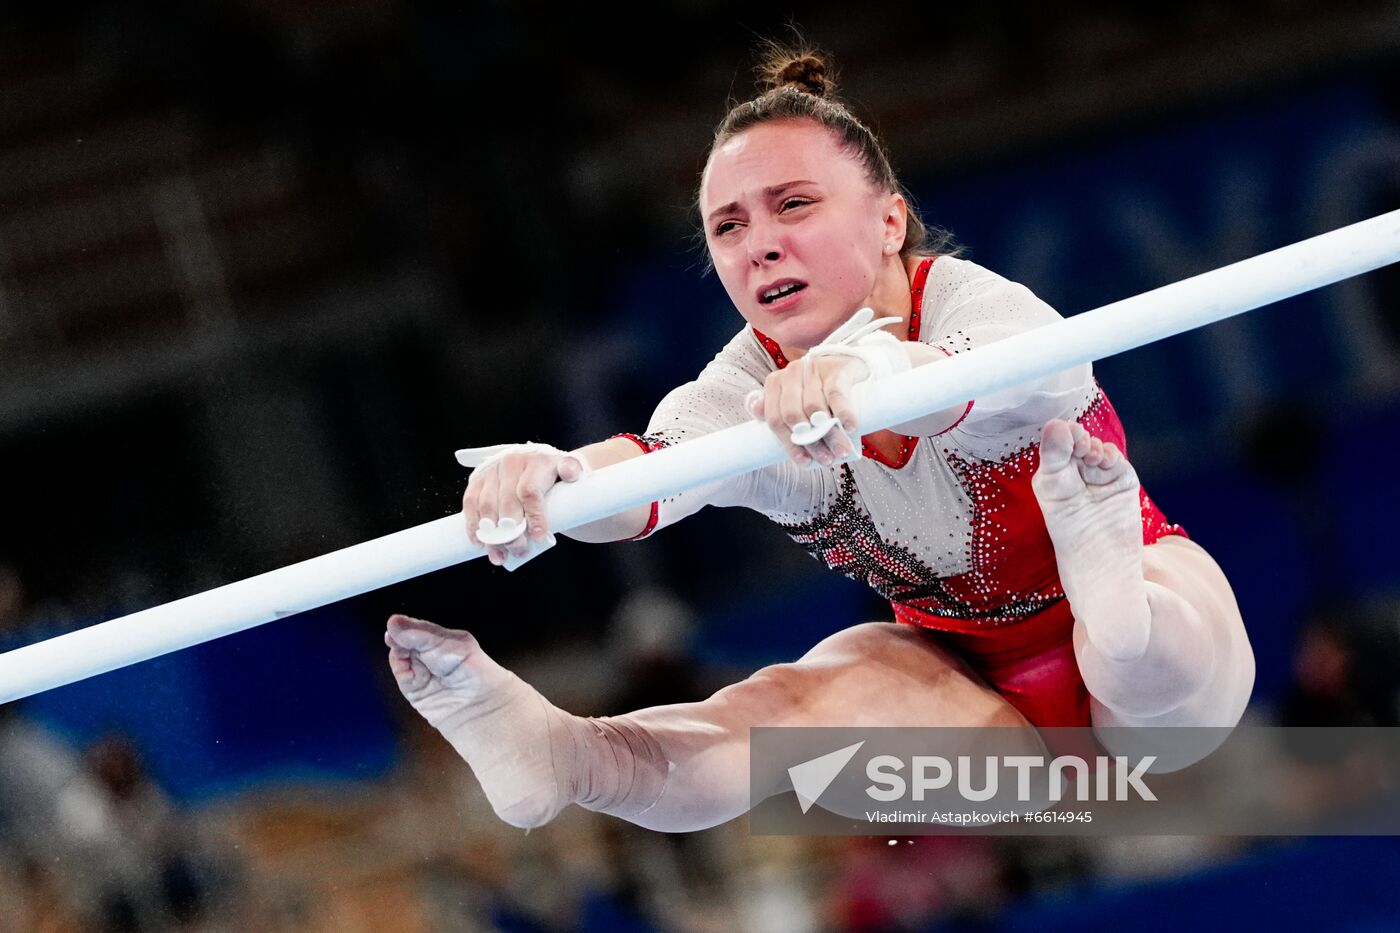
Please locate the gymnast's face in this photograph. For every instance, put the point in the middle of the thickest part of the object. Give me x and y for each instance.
(784, 206)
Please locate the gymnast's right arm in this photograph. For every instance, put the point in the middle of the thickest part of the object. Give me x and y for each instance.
(515, 483)
(624, 525)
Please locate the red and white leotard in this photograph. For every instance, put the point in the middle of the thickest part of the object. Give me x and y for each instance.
(950, 532)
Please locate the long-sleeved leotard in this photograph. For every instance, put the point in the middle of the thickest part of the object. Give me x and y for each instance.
(950, 532)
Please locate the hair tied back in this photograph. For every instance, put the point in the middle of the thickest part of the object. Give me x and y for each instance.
(805, 71)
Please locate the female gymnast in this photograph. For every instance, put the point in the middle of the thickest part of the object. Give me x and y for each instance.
(1033, 581)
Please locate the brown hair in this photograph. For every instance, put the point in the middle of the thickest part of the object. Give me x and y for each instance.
(797, 83)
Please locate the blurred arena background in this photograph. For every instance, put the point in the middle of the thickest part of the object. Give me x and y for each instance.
(265, 265)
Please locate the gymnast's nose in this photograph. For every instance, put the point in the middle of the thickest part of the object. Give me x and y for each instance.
(765, 245)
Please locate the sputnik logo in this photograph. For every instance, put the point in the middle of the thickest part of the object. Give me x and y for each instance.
(811, 778)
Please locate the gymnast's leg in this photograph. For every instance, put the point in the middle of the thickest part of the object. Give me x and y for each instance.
(684, 766)
(1158, 635)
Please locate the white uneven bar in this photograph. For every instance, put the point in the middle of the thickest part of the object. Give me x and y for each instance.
(1114, 328)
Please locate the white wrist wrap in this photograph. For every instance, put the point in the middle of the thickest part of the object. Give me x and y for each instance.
(882, 353)
(479, 457)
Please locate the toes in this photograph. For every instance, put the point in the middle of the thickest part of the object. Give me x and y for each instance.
(1061, 441)
(1082, 440)
(418, 675)
(397, 655)
(1056, 444)
(398, 622)
(1104, 467)
(406, 670)
(414, 634)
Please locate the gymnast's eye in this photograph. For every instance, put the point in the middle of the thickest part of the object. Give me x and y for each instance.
(795, 203)
(725, 227)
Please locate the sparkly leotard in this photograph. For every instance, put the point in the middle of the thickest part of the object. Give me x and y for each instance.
(950, 531)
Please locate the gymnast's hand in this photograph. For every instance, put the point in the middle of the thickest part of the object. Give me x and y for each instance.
(508, 485)
(810, 406)
(805, 395)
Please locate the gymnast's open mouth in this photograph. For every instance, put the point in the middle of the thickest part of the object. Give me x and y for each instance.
(777, 291)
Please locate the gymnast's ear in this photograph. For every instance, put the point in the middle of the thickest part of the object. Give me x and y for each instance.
(895, 221)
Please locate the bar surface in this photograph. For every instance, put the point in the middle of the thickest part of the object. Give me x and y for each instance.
(1092, 335)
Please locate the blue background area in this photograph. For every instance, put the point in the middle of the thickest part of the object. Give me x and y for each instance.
(299, 698)
(1214, 191)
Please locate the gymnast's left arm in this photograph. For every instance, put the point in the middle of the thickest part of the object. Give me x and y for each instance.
(976, 307)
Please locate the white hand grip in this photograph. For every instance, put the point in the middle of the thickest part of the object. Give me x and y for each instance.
(816, 427)
(507, 530)
(497, 533)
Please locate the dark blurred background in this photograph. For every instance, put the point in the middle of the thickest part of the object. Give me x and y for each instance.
(265, 265)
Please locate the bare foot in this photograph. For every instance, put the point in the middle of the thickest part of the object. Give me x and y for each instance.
(1088, 493)
(510, 735)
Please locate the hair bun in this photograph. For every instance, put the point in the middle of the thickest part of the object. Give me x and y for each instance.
(805, 70)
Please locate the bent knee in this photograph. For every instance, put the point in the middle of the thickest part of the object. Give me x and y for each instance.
(770, 696)
(865, 640)
(1000, 714)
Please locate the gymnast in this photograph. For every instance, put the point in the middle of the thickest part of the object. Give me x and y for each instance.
(1033, 581)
